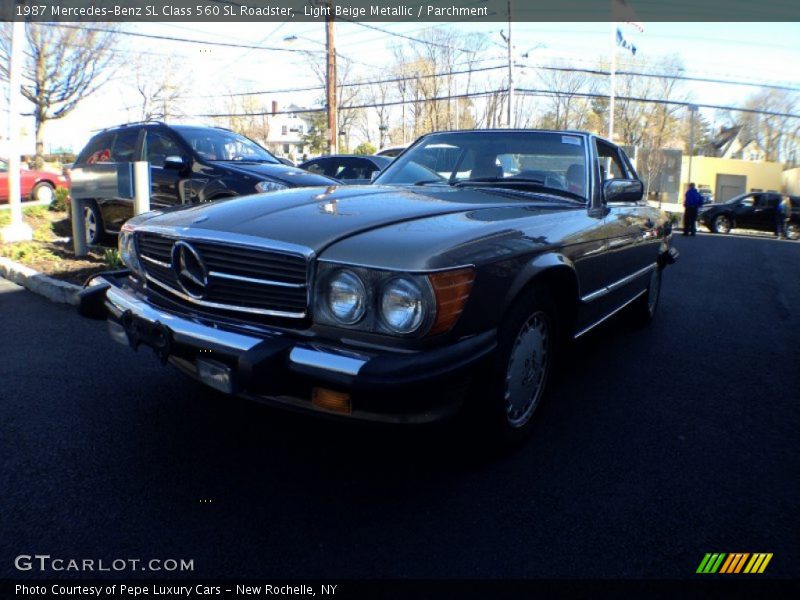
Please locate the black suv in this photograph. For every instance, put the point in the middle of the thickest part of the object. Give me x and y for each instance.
(754, 210)
(189, 164)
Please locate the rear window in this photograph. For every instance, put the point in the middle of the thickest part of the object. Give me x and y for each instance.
(98, 149)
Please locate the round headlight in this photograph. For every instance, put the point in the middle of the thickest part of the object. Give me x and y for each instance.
(346, 297)
(402, 305)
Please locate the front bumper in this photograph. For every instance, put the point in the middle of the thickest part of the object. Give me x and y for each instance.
(277, 368)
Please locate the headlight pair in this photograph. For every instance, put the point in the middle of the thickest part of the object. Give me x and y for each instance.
(388, 302)
(268, 185)
(127, 251)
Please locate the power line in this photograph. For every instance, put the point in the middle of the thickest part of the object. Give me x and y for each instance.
(406, 37)
(551, 93)
(523, 91)
(178, 39)
(353, 84)
(664, 75)
(355, 107)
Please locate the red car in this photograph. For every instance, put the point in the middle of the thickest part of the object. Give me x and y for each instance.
(36, 185)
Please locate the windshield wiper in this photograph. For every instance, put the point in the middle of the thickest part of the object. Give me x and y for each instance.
(511, 180)
(429, 181)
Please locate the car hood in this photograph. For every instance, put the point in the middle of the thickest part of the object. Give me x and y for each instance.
(319, 217)
(291, 176)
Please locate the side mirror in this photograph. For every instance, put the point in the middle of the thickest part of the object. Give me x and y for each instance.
(175, 163)
(374, 175)
(623, 190)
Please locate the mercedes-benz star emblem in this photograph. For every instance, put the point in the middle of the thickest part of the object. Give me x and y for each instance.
(190, 269)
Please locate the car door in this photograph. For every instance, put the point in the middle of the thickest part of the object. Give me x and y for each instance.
(27, 181)
(764, 210)
(165, 184)
(115, 207)
(630, 233)
(744, 212)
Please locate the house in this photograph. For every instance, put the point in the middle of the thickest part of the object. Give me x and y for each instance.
(731, 142)
(287, 130)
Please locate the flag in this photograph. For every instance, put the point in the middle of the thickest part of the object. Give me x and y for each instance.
(622, 41)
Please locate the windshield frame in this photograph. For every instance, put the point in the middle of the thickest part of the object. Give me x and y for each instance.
(183, 132)
(442, 137)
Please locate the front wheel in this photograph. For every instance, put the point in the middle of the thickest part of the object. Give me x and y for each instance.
(793, 231)
(524, 360)
(721, 224)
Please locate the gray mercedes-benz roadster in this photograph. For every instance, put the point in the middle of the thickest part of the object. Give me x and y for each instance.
(455, 279)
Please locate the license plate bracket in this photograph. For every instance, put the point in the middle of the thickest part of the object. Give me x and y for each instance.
(155, 335)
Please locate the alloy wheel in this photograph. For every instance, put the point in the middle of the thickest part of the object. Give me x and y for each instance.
(722, 224)
(90, 222)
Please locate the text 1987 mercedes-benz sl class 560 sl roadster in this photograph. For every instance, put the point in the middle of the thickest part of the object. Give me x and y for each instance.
(452, 280)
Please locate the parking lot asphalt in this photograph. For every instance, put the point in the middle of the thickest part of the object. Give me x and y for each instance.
(655, 447)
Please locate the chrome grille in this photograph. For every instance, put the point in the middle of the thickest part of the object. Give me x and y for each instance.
(239, 278)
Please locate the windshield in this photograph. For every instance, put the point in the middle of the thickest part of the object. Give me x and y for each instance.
(219, 144)
(541, 158)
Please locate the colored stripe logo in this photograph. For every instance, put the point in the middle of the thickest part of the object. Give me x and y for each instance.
(735, 562)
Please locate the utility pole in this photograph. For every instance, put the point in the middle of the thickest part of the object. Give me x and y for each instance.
(18, 230)
(330, 80)
(692, 111)
(403, 118)
(613, 81)
(510, 72)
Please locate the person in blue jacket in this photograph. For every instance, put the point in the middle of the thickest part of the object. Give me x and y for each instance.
(691, 204)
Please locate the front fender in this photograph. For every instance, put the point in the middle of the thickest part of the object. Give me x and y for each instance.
(551, 262)
(226, 187)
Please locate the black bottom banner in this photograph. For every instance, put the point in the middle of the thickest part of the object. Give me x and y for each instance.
(390, 589)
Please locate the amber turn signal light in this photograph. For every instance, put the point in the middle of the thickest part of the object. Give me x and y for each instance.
(452, 289)
(330, 400)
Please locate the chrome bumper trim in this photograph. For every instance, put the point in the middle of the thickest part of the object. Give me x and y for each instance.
(183, 330)
(203, 336)
(326, 361)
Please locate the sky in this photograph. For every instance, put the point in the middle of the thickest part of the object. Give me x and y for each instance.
(749, 52)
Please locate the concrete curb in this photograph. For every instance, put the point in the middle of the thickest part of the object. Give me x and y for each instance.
(52, 289)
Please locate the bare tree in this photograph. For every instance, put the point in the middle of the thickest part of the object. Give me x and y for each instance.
(776, 135)
(566, 108)
(348, 93)
(160, 87)
(427, 67)
(63, 65)
(251, 119)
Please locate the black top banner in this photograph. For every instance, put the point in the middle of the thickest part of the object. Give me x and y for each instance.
(400, 10)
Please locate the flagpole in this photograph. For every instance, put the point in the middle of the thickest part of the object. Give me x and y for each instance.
(613, 80)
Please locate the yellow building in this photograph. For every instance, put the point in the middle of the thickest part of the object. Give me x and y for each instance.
(727, 177)
(791, 181)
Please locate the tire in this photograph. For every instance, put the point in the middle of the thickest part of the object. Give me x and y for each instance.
(93, 222)
(43, 192)
(721, 224)
(528, 343)
(793, 231)
(643, 309)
